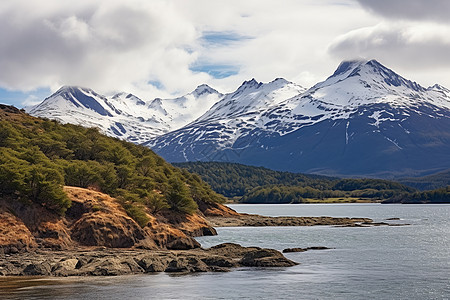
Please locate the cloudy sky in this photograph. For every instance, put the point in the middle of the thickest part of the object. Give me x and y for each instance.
(165, 48)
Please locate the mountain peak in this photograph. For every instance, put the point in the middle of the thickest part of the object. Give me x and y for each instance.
(280, 80)
(369, 70)
(73, 88)
(348, 65)
(128, 97)
(204, 89)
(438, 87)
(251, 83)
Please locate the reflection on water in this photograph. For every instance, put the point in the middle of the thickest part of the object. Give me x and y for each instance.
(410, 262)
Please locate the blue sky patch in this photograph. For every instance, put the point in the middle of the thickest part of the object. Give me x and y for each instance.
(216, 71)
(157, 84)
(20, 99)
(222, 37)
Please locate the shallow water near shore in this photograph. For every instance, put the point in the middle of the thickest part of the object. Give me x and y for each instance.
(406, 262)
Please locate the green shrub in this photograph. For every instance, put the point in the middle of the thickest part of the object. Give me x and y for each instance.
(179, 198)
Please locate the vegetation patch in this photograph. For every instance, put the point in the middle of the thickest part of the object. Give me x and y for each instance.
(249, 184)
(38, 157)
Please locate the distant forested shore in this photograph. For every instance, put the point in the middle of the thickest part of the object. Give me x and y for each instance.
(248, 184)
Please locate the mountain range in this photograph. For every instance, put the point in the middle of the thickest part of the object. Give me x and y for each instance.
(363, 120)
(125, 115)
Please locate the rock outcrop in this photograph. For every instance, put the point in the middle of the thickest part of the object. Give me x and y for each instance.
(289, 250)
(14, 235)
(111, 262)
(94, 219)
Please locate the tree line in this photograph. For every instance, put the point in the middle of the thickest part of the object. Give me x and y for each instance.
(261, 185)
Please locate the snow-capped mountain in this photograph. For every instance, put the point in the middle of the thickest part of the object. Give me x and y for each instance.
(124, 115)
(363, 120)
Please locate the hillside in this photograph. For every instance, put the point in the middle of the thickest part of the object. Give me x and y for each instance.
(143, 192)
(261, 185)
(235, 180)
(429, 182)
(437, 196)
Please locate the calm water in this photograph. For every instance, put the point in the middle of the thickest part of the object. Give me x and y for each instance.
(408, 262)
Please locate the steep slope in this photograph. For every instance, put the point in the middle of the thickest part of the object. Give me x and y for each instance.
(236, 115)
(124, 115)
(140, 191)
(363, 120)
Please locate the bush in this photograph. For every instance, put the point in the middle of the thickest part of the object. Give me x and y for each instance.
(133, 206)
(179, 198)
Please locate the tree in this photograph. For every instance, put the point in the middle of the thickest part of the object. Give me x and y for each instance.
(179, 198)
(44, 185)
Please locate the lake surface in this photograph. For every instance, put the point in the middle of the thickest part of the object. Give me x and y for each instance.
(406, 262)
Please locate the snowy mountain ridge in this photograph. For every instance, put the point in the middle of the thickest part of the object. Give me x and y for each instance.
(364, 119)
(125, 115)
(361, 101)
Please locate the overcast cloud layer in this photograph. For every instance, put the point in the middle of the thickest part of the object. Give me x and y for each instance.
(430, 10)
(162, 48)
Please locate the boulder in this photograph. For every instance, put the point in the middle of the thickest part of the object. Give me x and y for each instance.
(186, 264)
(183, 244)
(37, 268)
(266, 258)
(110, 266)
(153, 263)
(65, 267)
(219, 261)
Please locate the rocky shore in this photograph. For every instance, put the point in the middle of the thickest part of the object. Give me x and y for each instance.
(111, 262)
(257, 220)
(96, 237)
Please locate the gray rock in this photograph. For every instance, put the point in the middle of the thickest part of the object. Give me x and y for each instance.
(37, 268)
(151, 264)
(219, 261)
(183, 244)
(110, 266)
(177, 265)
(66, 264)
(266, 258)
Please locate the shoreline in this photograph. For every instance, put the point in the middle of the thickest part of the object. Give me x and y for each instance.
(105, 261)
(114, 262)
(253, 220)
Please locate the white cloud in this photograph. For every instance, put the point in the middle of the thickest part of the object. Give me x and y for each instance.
(431, 10)
(31, 100)
(418, 51)
(280, 39)
(114, 45)
(103, 44)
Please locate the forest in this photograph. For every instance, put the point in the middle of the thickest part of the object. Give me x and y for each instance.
(250, 184)
(38, 157)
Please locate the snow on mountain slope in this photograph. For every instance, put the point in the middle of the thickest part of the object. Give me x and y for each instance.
(355, 84)
(240, 112)
(124, 115)
(183, 110)
(364, 119)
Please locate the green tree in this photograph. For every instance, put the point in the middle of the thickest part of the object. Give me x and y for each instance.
(179, 198)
